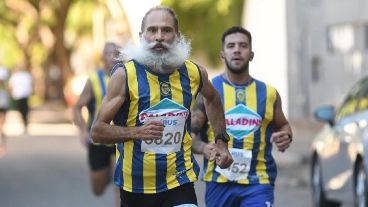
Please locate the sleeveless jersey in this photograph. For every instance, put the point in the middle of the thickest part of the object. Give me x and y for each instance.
(99, 82)
(249, 113)
(159, 165)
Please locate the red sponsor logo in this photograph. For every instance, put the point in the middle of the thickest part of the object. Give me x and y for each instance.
(243, 121)
(144, 115)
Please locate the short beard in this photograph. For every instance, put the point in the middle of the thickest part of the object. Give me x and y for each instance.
(167, 62)
(240, 70)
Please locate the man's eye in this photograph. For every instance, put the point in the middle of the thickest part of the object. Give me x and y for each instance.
(151, 29)
(166, 30)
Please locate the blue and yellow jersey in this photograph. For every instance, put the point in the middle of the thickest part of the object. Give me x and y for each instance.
(163, 164)
(99, 82)
(249, 113)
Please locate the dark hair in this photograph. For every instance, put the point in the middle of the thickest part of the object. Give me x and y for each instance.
(168, 10)
(236, 29)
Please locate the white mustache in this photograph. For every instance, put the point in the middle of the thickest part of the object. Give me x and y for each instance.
(156, 43)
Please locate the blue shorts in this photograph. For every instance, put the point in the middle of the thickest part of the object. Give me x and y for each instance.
(238, 195)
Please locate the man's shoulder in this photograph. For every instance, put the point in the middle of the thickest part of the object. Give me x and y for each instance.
(217, 79)
(266, 85)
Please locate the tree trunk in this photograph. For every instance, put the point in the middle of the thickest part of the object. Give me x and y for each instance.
(58, 68)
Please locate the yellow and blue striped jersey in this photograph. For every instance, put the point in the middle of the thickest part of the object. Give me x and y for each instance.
(99, 82)
(249, 113)
(141, 168)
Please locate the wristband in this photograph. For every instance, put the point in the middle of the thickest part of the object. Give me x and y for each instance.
(223, 136)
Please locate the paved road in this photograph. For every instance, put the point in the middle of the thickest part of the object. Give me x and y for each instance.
(48, 168)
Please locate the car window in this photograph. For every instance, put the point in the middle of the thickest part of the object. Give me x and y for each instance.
(350, 104)
(363, 97)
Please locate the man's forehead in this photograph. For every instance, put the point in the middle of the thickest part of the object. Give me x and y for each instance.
(159, 18)
(236, 37)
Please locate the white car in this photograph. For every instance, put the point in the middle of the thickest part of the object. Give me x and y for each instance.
(340, 152)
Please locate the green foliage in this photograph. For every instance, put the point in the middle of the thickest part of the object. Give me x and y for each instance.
(80, 16)
(79, 20)
(39, 54)
(10, 53)
(204, 21)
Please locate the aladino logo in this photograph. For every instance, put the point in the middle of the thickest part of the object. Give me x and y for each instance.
(241, 121)
(165, 108)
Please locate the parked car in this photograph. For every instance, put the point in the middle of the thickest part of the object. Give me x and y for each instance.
(339, 164)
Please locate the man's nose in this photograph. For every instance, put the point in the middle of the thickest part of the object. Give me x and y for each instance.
(236, 49)
(159, 36)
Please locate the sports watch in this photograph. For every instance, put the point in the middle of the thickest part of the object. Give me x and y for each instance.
(222, 136)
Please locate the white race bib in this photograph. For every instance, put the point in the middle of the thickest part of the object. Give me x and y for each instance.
(240, 168)
(171, 139)
(173, 116)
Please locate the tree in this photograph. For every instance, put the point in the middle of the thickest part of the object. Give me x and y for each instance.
(36, 30)
(203, 21)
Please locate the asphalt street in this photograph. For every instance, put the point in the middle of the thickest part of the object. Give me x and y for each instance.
(47, 166)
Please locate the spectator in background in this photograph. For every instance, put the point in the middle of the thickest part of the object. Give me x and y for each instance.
(4, 105)
(20, 84)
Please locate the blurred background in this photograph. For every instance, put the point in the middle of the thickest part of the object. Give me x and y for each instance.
(312, 51)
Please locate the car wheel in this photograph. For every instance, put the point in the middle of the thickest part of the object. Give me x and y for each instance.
(360, 187)
(318, 195)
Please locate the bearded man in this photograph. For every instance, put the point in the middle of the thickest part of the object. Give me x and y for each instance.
(149, 99)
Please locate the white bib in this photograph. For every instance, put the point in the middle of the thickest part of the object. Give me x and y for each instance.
(171, 139)
(240, 168)
(173, 116)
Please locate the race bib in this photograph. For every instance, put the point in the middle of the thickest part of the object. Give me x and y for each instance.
(174, 117)
(240, 168)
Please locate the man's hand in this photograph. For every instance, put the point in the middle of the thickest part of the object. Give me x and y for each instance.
(84, 137)
(209, 151)
(282, 140)
(150, 130)
(223, 156)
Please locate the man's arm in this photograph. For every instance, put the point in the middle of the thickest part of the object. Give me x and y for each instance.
(198, 121)
(215, 114)
(83, 100)
(103, 132)
(283, 135)
(213, 105)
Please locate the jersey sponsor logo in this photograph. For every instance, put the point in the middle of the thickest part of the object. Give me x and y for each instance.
(241, 121)
(165, 108)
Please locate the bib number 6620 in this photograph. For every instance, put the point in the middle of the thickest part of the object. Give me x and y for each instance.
(168, 139)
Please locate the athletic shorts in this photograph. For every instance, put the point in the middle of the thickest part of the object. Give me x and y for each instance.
(239, 195)
(99, 156)
(182, 196)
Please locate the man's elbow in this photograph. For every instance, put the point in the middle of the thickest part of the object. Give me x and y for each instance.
(96, 134)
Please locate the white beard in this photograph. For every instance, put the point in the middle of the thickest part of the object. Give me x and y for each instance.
(166, 62)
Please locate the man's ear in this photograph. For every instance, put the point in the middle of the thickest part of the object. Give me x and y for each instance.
(222, 55)
(251, 56)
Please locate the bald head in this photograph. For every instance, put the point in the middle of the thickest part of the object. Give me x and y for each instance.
(165, 9)
(109, 55)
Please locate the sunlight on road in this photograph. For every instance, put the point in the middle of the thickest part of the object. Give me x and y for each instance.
(14, 127)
